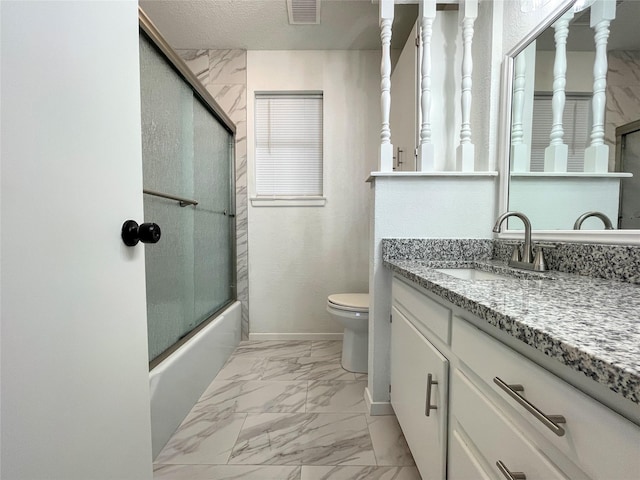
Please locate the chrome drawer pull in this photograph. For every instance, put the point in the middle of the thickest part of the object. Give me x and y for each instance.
(510, 475)
(428, 407)
(549, 421)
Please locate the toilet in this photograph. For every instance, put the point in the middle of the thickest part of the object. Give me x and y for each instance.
(352, 311)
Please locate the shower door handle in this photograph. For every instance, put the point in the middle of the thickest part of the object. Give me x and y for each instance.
(132, 233)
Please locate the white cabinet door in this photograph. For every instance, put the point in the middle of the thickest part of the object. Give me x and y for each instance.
(414, 360)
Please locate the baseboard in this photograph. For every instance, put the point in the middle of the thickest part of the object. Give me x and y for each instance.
(376, 408)
(295, 336)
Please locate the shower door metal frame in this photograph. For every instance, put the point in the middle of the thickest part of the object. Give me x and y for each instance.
(180, 67)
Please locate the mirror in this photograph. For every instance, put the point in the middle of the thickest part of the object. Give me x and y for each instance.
(572, 151)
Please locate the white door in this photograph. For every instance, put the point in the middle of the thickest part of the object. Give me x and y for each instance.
(74, 374)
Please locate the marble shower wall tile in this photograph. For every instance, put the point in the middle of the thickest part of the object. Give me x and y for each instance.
(198, 62)
(623, 95)
(228, 66)
(224, 74)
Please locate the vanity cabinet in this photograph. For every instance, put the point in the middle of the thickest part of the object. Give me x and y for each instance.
(498, 413)
(419, 379)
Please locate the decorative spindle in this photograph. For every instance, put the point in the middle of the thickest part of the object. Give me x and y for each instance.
(465, 153)
(596, 156)
(556, 155)
(386, 148)
(519, 150)
(426, 150)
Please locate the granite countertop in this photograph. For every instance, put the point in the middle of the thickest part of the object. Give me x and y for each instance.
(589, 324)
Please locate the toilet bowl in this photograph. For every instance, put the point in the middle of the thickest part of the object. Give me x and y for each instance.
(352, 311)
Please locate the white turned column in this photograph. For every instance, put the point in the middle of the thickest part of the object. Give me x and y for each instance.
(522, 109)
(596, 156)
(557, 153)
(426, 149)
(386, 148)
(519, 150)
(468, 12)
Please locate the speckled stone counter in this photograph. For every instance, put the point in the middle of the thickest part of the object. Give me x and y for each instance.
(589, 324)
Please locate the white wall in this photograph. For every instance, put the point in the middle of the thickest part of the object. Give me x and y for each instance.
(75, 391)
(556, 202)
(421, 206)
(299, 255)
(445, 84)
(519, 19)
(579, 71)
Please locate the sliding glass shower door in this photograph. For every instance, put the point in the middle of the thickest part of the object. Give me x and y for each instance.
(188, 183)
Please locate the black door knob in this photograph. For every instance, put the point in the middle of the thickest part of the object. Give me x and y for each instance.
(145, 233)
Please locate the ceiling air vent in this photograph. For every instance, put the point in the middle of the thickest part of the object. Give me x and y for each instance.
(303, 12)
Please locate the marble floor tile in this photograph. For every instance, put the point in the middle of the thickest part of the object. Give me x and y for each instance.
(362, 376)
(359, 473)
(328, 368)
(304, 439)
(388, 441)
(203, 438)
(225, 472)
(273, 348)
(253, 397)
(337, 397)
(305, 368)
(326, 348)
(241, 368)
(287, 369)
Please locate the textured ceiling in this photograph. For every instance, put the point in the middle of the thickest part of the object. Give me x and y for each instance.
(264, 25)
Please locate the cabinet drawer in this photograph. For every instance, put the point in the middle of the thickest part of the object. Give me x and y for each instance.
(603, 444)
(423, 310)
(494, 436)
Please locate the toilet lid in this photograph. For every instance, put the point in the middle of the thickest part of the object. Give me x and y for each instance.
(358, 301)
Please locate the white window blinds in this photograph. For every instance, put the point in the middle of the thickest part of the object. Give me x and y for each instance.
(288, 145)
(575, 122)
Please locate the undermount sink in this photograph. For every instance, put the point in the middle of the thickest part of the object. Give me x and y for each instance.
(473, 274)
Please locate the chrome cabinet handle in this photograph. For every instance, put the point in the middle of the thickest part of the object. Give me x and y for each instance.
(549, 421)
(428, 407)
(510, 475)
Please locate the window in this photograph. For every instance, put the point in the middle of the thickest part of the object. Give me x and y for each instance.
(288, 146)
(575, 122)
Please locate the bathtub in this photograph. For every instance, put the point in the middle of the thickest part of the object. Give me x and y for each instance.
(178, 382)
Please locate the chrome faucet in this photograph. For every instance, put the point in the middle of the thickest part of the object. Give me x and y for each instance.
(600, 215)
(527, 261)
(527, 254)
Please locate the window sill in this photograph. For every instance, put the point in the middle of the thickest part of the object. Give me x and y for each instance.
(288, 201)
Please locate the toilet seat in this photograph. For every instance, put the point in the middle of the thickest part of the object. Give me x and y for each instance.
(350, 302)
